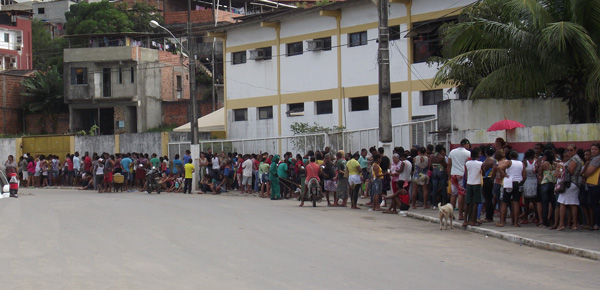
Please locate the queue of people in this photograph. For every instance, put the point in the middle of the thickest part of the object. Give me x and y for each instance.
(555, 188)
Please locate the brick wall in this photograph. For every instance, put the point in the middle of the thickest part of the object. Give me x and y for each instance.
(169, 73)
(11, 121)
(35, 124)
(11, 103)
(199, 16)
(175, 113)
(119, 115)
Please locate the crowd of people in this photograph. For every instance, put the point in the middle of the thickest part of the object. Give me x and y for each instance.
(555, 188)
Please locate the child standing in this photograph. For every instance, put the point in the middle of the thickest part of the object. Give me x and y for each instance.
(189, 173)
(473, 197)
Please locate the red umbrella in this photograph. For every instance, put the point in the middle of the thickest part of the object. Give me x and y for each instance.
(505, 125)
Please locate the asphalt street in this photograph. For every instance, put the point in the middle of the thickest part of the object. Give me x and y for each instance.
(68, 239)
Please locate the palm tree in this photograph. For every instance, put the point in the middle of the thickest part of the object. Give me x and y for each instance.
(527, 49)
(44, 93)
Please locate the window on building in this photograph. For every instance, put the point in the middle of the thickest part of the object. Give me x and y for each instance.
(240, 115)
(239, 57)
(132, 74)
(41, 10)
(394, 32)
(106, 82)
(262, 53)
(358, 38)
(426, 38)
(79, 76)
(6, 37)
(179, 87)
(397, 100)
(265, 113)
(296, 109)
(319, 44)
(120, 75)
(295, 48)
(359, 104)
(432, 97)
(324, 107)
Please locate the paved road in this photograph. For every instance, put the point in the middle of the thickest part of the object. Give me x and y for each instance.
(54, 239)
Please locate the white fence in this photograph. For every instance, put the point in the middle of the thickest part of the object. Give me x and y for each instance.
(404, 135)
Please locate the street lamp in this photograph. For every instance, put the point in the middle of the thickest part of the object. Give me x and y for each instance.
(192, 64)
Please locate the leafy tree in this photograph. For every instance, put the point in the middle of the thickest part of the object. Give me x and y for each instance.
(314, 142)
(527, 49)
(45, 95)
(97, 17)
(47, 52)
(141, 14)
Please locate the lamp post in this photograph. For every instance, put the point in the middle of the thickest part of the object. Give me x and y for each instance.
(192, 76)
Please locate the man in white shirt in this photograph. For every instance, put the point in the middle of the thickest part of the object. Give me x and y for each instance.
(77, 167)
(456, 167)
(247, 174)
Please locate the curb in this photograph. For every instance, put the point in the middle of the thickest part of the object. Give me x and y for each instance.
(560, 248)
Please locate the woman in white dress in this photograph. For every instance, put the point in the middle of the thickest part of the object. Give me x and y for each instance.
(570, 197)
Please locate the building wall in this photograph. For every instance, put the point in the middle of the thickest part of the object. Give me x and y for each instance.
(54, 11)
(339, 74)
(23, 58)
(456, 115)
(175, 113)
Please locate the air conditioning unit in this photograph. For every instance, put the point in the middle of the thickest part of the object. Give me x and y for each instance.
(13, 60)
(315, 45)
(13, 65)
(258, 54)
(19, 39)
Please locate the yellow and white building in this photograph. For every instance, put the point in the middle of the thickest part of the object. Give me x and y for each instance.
(320, 65)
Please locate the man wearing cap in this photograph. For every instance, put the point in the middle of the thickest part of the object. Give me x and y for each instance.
(456, 169)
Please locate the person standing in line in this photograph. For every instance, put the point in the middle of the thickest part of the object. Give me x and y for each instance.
(23, 168)
(189, 174)
(203, 165)
(247, 172)
(177, 166)
(342, 180)
(488, 183)
(274, 178)
(125, 162)
(329, 176)
(155, 162)
(513, 188)
(456, 166)
(363, 160)
(216, 166)
(70, 170)
(255, 165)
(187, 156)
(473, 169)
(77, 167)
(592, 175)
(10, 166)
(354, 179)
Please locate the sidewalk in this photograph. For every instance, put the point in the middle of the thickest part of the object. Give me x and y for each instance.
(581, 243)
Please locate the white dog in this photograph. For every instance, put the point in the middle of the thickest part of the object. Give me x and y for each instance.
(446, 212)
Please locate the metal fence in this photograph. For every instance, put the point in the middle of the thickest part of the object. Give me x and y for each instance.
(404, 135)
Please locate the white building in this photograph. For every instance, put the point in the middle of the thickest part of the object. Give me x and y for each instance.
(320, 65)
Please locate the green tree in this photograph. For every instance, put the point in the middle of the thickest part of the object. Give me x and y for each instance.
(97, 17)
(47, 52)
(44, 93)
(141, 14)
(527, 49)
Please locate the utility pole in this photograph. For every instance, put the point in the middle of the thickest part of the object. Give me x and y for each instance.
(192, 75)
(212, 57)
(385, 101)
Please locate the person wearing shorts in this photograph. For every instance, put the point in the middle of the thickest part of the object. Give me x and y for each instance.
(354, 179)
(456, 166)
(247, 168)
(473, 192)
